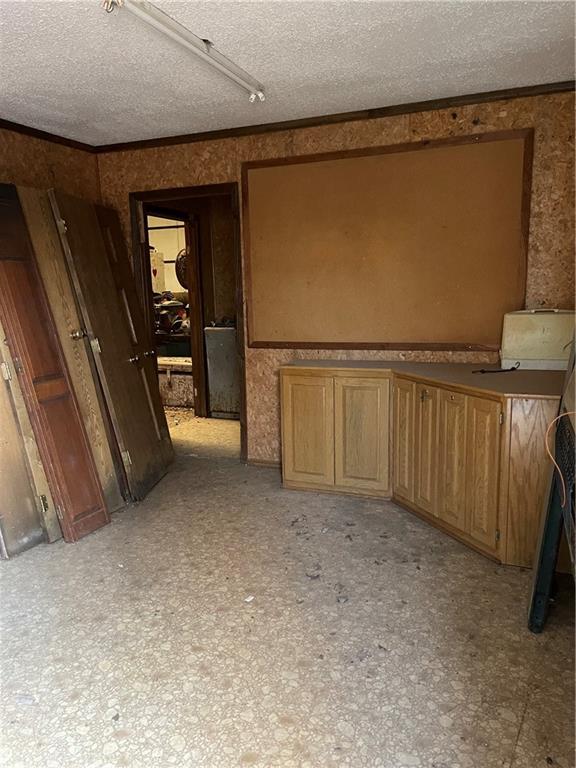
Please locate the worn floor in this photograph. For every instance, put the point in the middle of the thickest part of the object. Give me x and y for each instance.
(225, 622)
(203, 438)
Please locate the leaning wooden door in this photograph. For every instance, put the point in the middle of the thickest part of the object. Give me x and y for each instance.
(35, 351)
(20, 522)
(54, 273)
(114, 324)
(142, 347)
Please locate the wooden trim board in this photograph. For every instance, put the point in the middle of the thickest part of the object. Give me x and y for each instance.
(483, 97)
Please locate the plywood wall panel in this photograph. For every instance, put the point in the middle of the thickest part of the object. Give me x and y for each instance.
(354, 135)
(550, 279)
(32, 162)
(262, 147)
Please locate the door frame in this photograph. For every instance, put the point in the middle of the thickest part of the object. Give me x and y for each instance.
(196, 309)
(194, 291)
(139, 202)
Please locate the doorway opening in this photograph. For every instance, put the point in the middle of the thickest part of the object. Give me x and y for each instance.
(186, 254)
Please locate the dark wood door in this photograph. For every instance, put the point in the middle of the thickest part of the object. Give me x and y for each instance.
(35, 350)
(126, 291)
(113, 318)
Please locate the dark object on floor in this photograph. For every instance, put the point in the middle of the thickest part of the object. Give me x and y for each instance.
(560, 513)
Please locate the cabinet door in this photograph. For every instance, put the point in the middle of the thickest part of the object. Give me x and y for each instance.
(404, 439)
(482, 460)
(425, 465)
(308, 429)
(362, 408)
(452, 459)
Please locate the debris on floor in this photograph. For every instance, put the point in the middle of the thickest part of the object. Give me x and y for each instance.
(351, 658)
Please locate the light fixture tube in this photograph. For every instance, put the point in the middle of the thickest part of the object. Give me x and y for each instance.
(204, 49)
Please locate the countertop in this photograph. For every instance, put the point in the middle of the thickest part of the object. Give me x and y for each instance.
(518, 383)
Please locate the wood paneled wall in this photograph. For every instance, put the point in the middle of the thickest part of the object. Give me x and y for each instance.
(28, 161)
(550, 279)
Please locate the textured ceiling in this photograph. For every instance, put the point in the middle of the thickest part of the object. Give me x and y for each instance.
(69, 68)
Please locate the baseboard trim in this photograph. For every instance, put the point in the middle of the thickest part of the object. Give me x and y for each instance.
(263, 463)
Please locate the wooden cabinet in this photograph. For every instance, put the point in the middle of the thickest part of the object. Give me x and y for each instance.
(403, 471)
(451, 507)
(335, 432)
(426, 447)
(482, 469)
(362, 433)
(447, 458)
(308, 429)
(465, 456)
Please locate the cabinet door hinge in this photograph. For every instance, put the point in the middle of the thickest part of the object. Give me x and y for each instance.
(6, 373)
(501, 418)
(44, 503)
(95, 344)
(126, 458)
(62, 228)
(497, 534)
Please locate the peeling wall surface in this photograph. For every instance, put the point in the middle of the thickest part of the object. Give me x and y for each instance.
(550, 278)
(32, 162)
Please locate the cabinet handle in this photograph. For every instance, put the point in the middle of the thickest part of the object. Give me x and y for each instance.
(424, 395)
(452, 397)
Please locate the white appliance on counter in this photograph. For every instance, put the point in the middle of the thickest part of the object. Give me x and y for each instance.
(537, 339)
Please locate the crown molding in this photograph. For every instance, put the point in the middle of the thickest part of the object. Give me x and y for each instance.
(307, 122)
(36, 133)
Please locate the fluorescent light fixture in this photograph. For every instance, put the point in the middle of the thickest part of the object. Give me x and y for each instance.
(204, 49)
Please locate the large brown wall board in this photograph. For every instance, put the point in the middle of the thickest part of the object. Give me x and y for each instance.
(415, 244)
